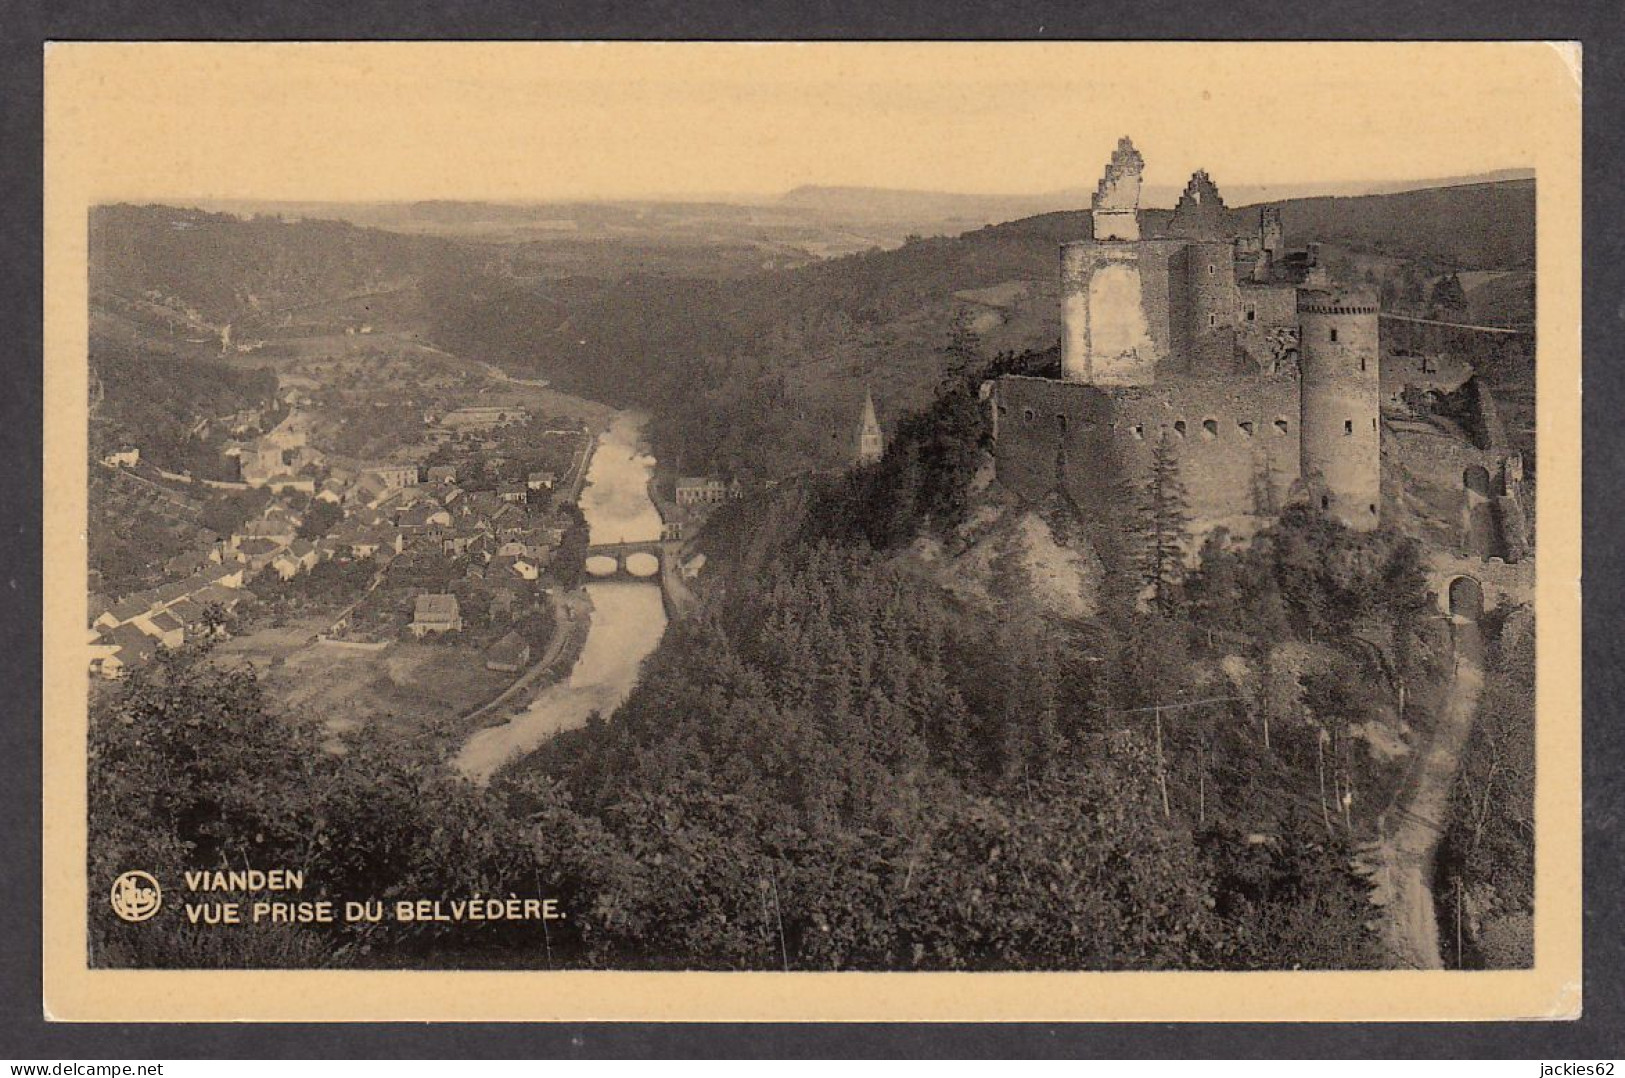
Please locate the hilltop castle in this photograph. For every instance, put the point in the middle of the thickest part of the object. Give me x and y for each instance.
(1255, 373)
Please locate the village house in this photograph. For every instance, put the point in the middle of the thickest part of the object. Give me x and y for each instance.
(123, 649)
(522, 566)
(188, 563)
(418, 517)
(278, 529)
(331, 492)
(299, 556)
(396, 475)
(442, 473)
(514, 493)
(436, 613)
(256, 554)
(540, 480)
(699, 490)
(124, 457)
(508, 655)
(190, 613)
(123, 612)
(163, 627)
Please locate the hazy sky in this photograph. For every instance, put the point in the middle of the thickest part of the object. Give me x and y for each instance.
(525, 121)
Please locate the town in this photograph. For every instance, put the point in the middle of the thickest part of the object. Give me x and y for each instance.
(429, 584)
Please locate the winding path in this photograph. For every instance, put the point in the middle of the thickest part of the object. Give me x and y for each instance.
(1403, 859)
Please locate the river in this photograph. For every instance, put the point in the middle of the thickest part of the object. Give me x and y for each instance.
(628, 618)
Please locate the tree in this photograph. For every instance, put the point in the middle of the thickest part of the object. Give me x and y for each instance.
(1447, 296)
(319, 519)
(1165, 517)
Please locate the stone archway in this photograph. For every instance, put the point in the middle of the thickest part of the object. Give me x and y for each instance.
(1465, 598)
(1476, 478)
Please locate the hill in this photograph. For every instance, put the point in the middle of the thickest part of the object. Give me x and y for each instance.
(764, 374)
(208, 269)
(747, 371)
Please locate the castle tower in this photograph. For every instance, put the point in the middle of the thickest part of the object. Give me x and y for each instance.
(1339, 401)
(1270, 236)
(1271, 242)
(1105, 335)
(871, 441)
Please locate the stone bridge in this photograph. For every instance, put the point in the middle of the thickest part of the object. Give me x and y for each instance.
(636, 561)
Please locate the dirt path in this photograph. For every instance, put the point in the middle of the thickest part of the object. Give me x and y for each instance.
(1401, 864)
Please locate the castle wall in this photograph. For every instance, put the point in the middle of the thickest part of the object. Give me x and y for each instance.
(1115, 327)
(1266, 323)
(1236, 443)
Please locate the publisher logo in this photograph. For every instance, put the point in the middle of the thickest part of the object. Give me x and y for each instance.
(136, 896)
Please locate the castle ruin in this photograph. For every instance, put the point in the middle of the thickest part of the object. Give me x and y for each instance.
(1258, 375)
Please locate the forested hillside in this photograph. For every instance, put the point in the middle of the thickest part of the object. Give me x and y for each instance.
(764, 374)
(225, 268)
(837, 764)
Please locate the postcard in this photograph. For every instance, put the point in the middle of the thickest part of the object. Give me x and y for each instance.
(786, 531)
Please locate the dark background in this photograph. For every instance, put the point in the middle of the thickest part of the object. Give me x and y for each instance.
(26, 24)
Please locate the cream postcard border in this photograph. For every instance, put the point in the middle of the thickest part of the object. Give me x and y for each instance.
(113, 133)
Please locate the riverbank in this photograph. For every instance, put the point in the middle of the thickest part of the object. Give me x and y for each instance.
(626, 622)
(572, 618)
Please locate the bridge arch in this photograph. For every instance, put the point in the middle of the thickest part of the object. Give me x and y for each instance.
(1476, 478)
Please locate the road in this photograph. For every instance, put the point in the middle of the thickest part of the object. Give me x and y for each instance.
(1509, 330)
(565, 624)
(1401, 864)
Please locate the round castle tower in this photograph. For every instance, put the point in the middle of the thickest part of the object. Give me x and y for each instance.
(1340, 423)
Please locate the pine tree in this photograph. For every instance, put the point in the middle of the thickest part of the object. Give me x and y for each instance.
(1166, 515)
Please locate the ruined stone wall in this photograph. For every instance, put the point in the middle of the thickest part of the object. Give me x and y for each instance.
(1266, 324)
(1236, 442)
(1118, 313)
(1501, 582)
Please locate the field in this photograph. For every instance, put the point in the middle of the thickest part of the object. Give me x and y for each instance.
(410, 688)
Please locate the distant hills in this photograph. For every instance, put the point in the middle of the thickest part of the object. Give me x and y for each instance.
(900, 204)
(751, 360)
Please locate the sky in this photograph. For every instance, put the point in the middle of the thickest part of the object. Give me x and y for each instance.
(383, 122)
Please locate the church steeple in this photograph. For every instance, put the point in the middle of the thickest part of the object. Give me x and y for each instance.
(871, 439)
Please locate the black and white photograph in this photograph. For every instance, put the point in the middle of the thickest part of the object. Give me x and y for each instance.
(705, 524)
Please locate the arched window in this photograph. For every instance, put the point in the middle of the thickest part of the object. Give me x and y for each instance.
(1060, 421)
(1179, 427)
(1246, 426)
(1325, 502)
(1251, 314)
(1210, 428)
(1348, 427)
(1281, 426)
(1028, 414)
